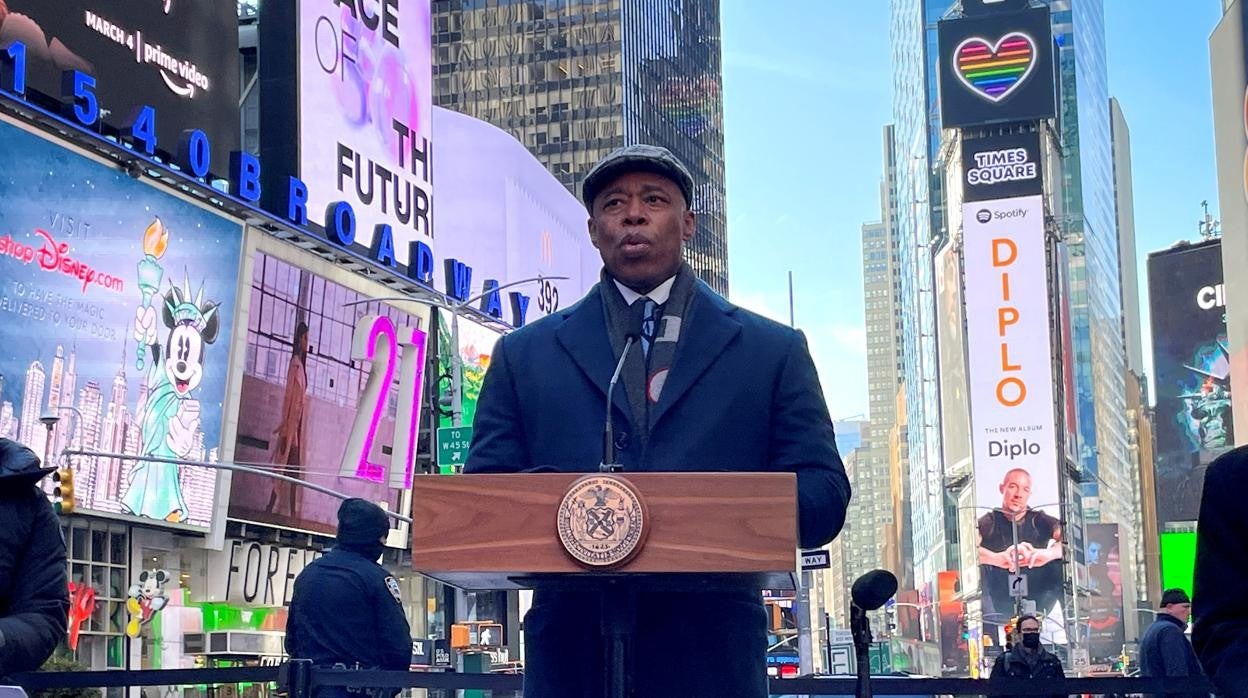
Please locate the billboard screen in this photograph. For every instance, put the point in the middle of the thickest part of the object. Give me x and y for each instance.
(999, 167)
(117, 302)
(365, 115)
(476, 345)
(511, 220)
(301, 391)
(1178, 560)
(1191, 365)
(996, 68)
(954, 403)
(1013, 431)
(1106, 632)
(177, 56)
(1228, 58)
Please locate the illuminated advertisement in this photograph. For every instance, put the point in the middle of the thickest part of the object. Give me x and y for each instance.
(955, 424)
(178, 56)
(999, 167)
(1228, 59)
(1178, 560)
(117, 303)
(955, 657)
(1106, 632)
(1191, 363)
(476, 345)
(995, 68)
(302, 390)
(512, 218)
(1012, 411)
(365, 112)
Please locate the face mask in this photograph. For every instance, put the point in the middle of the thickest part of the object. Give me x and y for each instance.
(1031, 640)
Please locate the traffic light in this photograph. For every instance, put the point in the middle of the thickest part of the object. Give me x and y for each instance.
(63, 493)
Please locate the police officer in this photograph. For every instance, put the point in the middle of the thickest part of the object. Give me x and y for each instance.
(346, 610)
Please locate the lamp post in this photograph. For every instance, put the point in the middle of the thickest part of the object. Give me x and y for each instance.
(457, 364)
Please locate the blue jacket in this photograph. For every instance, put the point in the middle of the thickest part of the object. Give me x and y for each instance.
(742, 395)
(345, 608)
(1165, 651)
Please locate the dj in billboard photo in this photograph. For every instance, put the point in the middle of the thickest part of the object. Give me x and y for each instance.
(1038, 554)
(708, 386)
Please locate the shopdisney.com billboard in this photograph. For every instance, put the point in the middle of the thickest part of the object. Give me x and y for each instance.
(116, 300)
(364, 116)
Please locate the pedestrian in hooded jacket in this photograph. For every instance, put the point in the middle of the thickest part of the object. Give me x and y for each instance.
(1220, 629)
(34, 589)
(346, 608)
(1028, 659)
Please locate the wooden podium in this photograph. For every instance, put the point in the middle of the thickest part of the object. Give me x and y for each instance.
(699, 531)
(492, 532)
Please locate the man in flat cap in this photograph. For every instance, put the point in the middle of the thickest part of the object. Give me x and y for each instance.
(708, 386)
(346, 609)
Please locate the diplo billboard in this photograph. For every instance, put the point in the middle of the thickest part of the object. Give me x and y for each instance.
(1013, 427)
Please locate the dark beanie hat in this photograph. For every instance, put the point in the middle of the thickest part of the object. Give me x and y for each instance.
(1170, 596)
(361, 522)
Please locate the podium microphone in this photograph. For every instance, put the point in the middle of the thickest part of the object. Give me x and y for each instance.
(608, 464)
(869, 592)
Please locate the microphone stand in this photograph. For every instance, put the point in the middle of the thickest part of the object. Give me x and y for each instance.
(860, 626)
(608, 464)
(617, 598)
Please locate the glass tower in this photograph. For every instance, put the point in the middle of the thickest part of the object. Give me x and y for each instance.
(575, 79)
(919, 229)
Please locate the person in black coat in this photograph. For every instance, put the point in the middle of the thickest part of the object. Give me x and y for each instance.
(346, 608)
(1028, 659)
(1220, 630)
(34, 588)
(710, 386)
(1164, 649)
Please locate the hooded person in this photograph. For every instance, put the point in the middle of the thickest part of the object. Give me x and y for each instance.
(34, 588)
(346, 609)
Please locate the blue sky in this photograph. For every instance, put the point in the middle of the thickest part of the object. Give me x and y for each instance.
(807, 91)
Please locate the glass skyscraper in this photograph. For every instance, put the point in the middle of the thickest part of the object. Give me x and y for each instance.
(920, 228)
(575, 79)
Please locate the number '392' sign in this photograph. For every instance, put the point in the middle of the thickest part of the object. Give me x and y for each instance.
(392, 351)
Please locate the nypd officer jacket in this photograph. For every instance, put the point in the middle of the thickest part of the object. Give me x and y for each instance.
(346, 609)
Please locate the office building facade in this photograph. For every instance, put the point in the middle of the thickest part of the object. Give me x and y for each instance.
(574, 80)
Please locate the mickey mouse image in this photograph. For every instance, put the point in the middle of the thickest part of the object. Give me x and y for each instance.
(146, 599)
(170, 418)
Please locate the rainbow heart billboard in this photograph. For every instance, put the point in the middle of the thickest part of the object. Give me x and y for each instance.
(997, 68)
(994, 71)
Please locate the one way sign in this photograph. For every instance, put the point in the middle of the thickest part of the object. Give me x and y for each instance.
(815, 560)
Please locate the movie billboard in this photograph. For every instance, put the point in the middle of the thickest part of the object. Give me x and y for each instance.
(1013, 428)
(177, 56)
(365, 114)
(996, 68)
(302, 392)
(1191, 364)
(117, 307)
(1106, 629)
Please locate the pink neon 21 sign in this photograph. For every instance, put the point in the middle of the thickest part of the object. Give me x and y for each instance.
(389, 350)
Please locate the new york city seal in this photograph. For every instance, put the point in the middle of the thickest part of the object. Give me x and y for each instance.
(602, 521)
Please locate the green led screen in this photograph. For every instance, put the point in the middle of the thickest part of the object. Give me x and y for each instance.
(1178, 558)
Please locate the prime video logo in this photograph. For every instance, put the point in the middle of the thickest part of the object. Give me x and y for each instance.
(984, 215)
